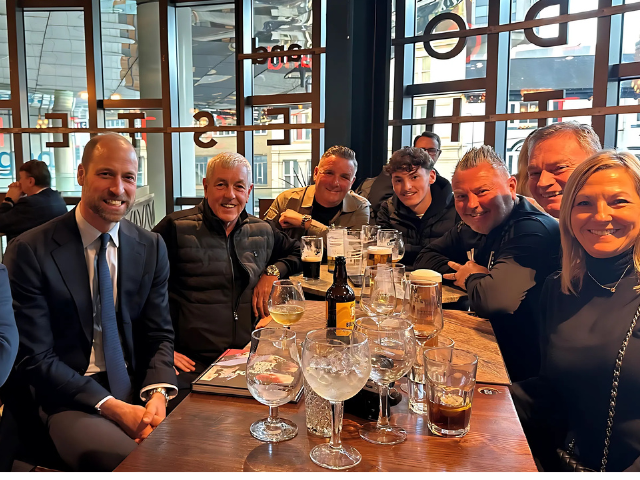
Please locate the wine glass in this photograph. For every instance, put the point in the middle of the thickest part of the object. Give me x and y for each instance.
(423, 307)
(286, 302)
(336, 364)
(393, 350)
(273, 378)
(378, 294)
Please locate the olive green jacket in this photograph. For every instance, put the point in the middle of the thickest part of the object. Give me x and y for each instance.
(354, 211)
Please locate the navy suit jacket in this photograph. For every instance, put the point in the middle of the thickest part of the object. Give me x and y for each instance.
(8, 330)
(54, 312)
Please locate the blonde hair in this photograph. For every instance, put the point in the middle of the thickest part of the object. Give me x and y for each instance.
(522, 187)
(573, 253)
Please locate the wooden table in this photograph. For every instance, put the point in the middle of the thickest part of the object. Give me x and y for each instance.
(467, 331)
(319, 287)
(211, 432)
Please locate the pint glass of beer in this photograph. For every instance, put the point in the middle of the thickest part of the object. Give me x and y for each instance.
(377, 255)
(311, 257)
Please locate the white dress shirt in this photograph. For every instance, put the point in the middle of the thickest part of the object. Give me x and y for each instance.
(91, 244)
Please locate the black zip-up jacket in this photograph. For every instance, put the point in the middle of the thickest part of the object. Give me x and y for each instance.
(30, 212)
(520, 253)
(418, 232)
(213, 276)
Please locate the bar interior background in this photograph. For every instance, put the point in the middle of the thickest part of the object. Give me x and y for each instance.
(280, 80)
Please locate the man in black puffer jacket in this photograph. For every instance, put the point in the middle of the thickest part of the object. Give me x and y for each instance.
(223, 264)
(421, 207)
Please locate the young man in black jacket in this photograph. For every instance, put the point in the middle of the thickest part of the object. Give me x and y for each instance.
(500, 253)
(39, 204)
(223, 265)
(422, 205)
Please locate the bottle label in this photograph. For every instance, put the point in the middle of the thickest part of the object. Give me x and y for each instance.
(345, 315)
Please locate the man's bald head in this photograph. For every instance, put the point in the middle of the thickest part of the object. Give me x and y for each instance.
(102, 142)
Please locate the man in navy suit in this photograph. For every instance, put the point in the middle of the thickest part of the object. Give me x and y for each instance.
(8, 330)
(91, 304)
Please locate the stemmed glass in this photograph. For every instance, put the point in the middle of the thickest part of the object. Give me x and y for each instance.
(286, 302)
(336, 364)
(378, 294)
(273, 378)
(393, 350)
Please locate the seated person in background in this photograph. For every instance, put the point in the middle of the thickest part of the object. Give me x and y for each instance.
(223, 265)
(8, 329)
(587, 311)
(90, 299)
(40, 204)
(379, 189)
(312, 210)
(422, 206)
(500, 254)
(554, 152)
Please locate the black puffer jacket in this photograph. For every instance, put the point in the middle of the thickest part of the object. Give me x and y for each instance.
(418, 232)
(213, 276)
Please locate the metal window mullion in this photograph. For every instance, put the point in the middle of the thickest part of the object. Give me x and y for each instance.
(244, 81)
(403, 72)
(93, 53)
(18, 80)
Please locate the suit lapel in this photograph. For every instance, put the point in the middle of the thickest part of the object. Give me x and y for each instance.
(130, 269)
(70, 260)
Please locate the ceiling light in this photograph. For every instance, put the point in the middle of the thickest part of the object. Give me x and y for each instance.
(84, 95)
(115, 96)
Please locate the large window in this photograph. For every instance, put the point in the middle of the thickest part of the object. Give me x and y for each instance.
(495, 87)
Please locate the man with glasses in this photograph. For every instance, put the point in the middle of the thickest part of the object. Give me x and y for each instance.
(311, 210)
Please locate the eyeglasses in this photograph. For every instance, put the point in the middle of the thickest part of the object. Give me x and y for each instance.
(431, 151)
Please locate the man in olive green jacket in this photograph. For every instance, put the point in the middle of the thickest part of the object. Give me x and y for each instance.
(311, 210)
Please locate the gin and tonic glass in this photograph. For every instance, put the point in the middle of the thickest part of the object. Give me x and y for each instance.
(336, 364)
(273, 378)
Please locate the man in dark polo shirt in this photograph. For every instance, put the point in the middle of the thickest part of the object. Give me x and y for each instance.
(30, 201)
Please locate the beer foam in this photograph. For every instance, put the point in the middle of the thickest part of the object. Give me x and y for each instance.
(380, 250)
(310, 258)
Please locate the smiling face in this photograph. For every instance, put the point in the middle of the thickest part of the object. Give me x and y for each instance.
(108, 180)
(414, 188)
(333, 177)
(605, 217)
(227, 191)
(550, 165)
(484, 196)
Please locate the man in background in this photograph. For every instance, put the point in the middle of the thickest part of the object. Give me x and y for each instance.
(30, 201)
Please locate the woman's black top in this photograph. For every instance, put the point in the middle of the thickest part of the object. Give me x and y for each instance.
(581, 338)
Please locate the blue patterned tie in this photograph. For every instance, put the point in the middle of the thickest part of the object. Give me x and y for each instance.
(119, 382)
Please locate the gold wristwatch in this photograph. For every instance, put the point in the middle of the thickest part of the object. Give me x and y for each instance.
(305, 220)
(272, 270)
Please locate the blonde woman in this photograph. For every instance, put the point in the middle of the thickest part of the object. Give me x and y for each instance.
(589, 314)
(522, 176)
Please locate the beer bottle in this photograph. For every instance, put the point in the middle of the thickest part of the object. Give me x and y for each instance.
(341, 301)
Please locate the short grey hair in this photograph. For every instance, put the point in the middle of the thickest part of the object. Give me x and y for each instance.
(228, 160)
(583, 133)
(479, 155)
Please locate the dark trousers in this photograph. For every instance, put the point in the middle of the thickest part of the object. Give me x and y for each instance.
(88, 442)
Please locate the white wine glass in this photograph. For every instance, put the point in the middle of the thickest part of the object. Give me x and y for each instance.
(378, 294)
(286, 302)
(273, 378)
(392, 346)
(336, 364)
